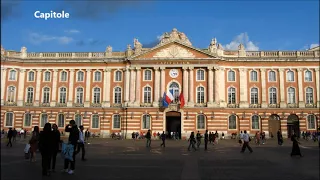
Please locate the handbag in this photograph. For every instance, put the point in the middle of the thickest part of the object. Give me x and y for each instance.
(67, 151)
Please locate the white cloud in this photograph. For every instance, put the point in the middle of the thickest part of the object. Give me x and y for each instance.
(313, 45)
(242, 38)
(72, 31)
(307, 46)
(37, 38)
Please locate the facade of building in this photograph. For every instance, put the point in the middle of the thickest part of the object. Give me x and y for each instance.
(224, 91)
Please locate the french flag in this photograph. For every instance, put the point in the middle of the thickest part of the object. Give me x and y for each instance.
(169, 97)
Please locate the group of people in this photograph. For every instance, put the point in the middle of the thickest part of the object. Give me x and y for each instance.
(12, 135)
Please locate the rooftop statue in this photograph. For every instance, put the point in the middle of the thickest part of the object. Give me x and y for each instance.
(174, 35)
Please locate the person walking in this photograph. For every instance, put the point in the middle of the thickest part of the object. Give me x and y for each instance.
(206, 139)
(81, 143)
(148, 137)
(34, 143)
(9, 136)
(246, 140)
(295, 145)
(279, 137)
(163, 138)
(198, 139)
(192, 141)
(241, 138)
(55, 149)
(46, 145)
(72, 128)
(15, 132)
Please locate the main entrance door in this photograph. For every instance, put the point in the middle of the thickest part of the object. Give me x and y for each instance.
(274, 125)
(173, 123)
(293, 125)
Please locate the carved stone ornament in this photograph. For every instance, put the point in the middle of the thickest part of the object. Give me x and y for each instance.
(174, 35)
(23, 50)
(241, 47)
(174, 51)
(213, 46)
(109, 49)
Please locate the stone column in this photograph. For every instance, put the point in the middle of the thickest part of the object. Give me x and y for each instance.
(317, 87)
(87, 102)
(132, 86)
(264, 89)
(108, 87)
(300, 86)
(3, 84)
(71, 88)
(244, 88)
(282, 93)
(216, 86)
(138, 87)
(156, 87)
(38, 90)
(210, 85)
(127, 86)
(21, 87)
(222, 89)
(54, 88)
(191, 86)
(185, 84)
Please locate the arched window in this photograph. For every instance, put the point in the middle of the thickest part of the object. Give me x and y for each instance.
(63, 95)
(146, 121)
(27, 120)
(174, 89)
(200, 94)
(254, 76)
(291, 95)
(61, 120)
(95, 121)
(231, 75)
(30, 94)
(78, 119)
(272, 95)
(311, 121)
(117, 95)
(290, 76)
(255, 122)
(31, 76)
(147, 94)
(11, 93)
(308, 76)
(44, 119)
(64, 76)
(231, 95)
(9, 119)
(47, 76)
(309, 95)
(80, 76)
(201, 123)
(80, 95)
(118, 76)
(12, 75)
(147, 75)
(46, 95)
(96, 95)
(200, 75)
(232, 122)
(116, 121)
(254, 96)
(272, 76)
(97, 76)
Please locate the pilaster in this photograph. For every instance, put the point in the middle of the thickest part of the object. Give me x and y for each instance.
(3, 84)
(282, 93)
(300, 86)
(222, 89)
(132, 86)
(54, 88)
(107, 84)
(21, 87)
(243, 88)
(163, 80)
(138, 87)
(210, 85)
(318, 87)
(127, 86)
(185, 84)
(88, 88)
(71, 88)
(156, 87)
(38, 90)
(264, 103)
(191, 85)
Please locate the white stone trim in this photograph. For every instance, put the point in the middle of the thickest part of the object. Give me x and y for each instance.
(205, 121)
(115, 75)
(59, 94)
(94, 76)
(144, 74)
(141, 122)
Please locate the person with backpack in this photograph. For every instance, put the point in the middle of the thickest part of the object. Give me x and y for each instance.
(148, 137)
(246, 140)
(72, 128)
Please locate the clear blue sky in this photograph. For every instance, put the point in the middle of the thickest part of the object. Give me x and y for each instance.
(269, 25)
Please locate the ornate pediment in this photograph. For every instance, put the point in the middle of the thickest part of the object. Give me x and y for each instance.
(174, 51)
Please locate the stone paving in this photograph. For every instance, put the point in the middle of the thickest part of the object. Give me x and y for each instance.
(128, 159)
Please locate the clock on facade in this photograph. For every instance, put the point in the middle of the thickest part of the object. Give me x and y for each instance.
(173, 73)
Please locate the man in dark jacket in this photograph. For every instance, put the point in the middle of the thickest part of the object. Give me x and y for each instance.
(163, 138)
(279, 137)
(15, 132)
(198, 139)
(206, 139)
(46, 139)
(73, 139)
(10, 135)
(148, 137)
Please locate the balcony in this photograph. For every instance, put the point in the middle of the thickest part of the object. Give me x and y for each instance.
(146, 105)
(174, 107)
(78, 104)
(274, 105)
(61, 105)
(292, 105)
(233, 105)
(310, 105)
(255, 106)
(200, 105)
(45, 104)
(96, 105)
(118, 105)
(7, 103)
(28, 104)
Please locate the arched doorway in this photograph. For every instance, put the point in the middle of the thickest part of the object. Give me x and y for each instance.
(274, 125)
(173, 123)
(293, 125)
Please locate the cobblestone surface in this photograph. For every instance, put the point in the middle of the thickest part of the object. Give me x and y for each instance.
(128, 159)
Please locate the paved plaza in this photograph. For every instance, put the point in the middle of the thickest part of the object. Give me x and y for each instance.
(128, 159)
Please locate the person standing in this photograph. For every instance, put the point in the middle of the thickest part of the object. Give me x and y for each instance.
(34, 143)
(72, 128)
(246, 140)
(279, 137)
(198, 139)
(148, 137)
(86, 135)
(295, 145)
(56, 144)
(163, 138)
(9, 136)
(81, 144)
(241, 138)
(46, 145)
(192, 141)
(206, 139)
(15, 132)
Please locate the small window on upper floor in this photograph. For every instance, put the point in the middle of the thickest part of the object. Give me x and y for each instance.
(64, 76)
(118, 76)
(231, 75)
(290, 76)
(47, 76)
(31, 76)
(147, 75)
(307, 76)
(254, 76)
(97, 76)
(200, 75)
(12, 75)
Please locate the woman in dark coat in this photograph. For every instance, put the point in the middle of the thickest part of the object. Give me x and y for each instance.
(56, 143)
(295, 146)
(46, 146)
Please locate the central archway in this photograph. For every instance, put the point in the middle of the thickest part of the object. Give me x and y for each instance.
(173, 123)
(274, 125)
(293, 125)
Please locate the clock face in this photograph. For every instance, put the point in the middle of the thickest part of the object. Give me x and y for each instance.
(173, 73)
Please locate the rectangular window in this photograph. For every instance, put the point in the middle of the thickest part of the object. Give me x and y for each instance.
(116, 122)
(9, 119)
(44, 120)
(27, 120)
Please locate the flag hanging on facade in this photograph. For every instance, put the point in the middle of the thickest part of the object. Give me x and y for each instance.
(170, 96)
(181, 98)
(164, 100)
